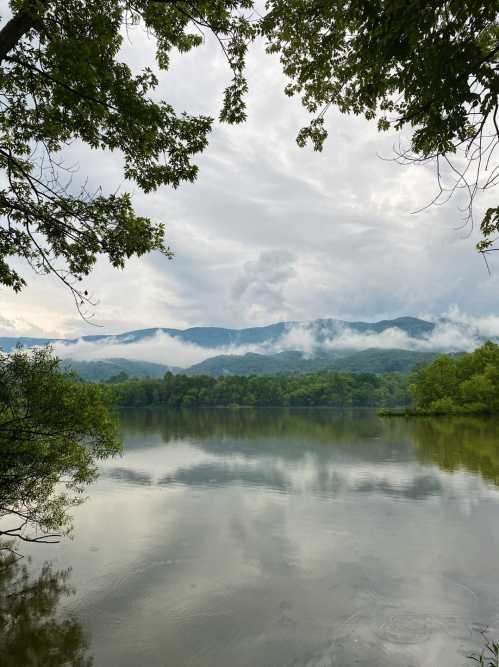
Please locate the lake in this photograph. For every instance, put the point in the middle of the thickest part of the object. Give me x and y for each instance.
(274, 538)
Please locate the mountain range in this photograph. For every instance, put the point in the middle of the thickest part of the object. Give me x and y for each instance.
(365, 361)
(275, 353)
(218, 337)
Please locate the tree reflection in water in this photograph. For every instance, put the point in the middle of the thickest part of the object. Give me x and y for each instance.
(459, 443)
(32, 634)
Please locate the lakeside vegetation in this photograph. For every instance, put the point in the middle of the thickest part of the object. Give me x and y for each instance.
(450, 385)
(37, 396)
(456, 385)
(53, 432)
(315, 389)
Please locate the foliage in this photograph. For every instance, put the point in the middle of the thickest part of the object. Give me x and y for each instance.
(465, 384)
(53, 430)
(431, 67)
(489, 657)
(63, 78)
(319, 389)
(32, 634)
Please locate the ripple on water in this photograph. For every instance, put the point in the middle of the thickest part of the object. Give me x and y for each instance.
(407, 628)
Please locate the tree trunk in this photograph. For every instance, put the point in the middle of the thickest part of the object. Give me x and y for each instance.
(17, 27)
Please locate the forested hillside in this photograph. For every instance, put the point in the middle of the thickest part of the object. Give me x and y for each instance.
(105, 370)
(364, 361)
(449, 384)
(291, 362)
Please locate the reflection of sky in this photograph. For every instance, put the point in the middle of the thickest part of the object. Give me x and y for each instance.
(186, 463)
(192, 553)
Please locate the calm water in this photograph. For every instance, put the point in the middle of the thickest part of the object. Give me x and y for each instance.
(245, 538)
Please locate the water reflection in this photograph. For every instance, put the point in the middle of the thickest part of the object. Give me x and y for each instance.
(297, 430)
(459, 443)
(32, 634)
(272, 537)
(324, 452)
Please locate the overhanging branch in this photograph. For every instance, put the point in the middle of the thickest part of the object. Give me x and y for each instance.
(17, 27)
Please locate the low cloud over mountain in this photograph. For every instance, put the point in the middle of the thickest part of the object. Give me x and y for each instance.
(454, 332)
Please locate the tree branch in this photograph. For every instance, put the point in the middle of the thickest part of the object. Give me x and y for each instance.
(17, 27)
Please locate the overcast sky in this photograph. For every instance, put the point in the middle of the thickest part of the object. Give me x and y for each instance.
(270, 231)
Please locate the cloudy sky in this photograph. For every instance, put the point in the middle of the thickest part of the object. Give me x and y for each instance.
(270, 231)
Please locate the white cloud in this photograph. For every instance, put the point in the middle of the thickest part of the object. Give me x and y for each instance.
(455, 333)
(160, 348)
(299, 336)
(260, 288)
(446, 337)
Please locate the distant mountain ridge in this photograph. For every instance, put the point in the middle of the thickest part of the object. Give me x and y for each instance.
(280, 363)
(220, 337)
(279, 350)
(371, 360)
(104, 370)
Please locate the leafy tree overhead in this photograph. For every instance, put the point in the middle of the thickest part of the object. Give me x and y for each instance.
(62, 79)
(429, 66)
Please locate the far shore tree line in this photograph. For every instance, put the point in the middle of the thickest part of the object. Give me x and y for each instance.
(307, 390)
(451, 384)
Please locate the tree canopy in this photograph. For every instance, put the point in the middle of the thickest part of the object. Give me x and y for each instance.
(464, 384)
(428, 66)
(62, 79)
(312, 389)
(53, 430)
